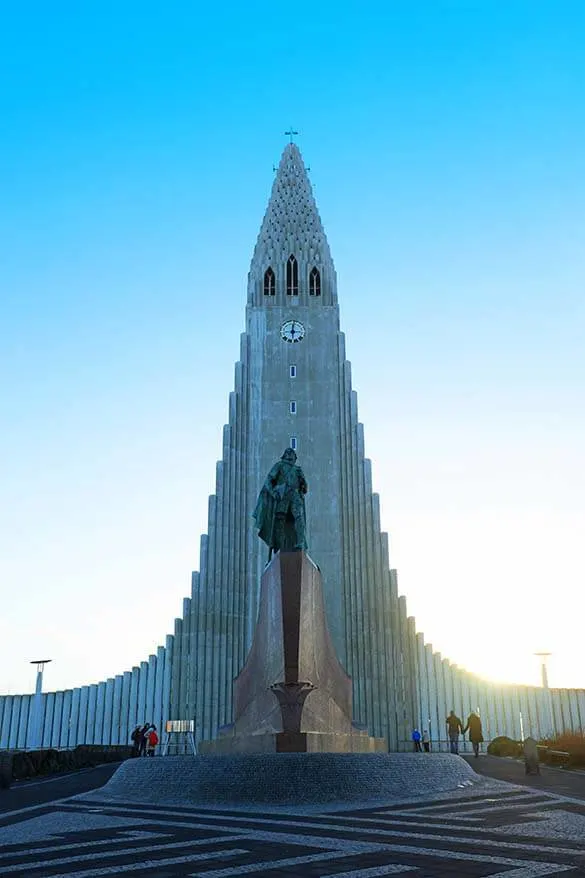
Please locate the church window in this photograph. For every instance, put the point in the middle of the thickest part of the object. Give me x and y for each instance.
(292, 371)
(293, 407)
(314, 282)
(293, 443)
(269, 282)
(292, 276)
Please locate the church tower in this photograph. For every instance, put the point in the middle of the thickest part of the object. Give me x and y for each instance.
(293, 388)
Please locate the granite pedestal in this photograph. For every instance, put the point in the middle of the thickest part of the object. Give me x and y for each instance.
(292, 695)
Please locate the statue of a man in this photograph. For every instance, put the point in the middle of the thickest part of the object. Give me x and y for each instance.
(280, 510)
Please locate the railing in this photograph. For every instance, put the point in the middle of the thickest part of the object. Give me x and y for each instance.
(443, 745)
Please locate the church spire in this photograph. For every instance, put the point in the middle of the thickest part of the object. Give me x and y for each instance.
(292, 256)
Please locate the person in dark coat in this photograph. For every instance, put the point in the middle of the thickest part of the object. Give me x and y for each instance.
(454, 726)
(475, 731)
(143, 739)
(135, 738)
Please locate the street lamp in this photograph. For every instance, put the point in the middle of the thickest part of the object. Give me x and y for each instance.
(34, 736)
(548, 697)
(543, 670)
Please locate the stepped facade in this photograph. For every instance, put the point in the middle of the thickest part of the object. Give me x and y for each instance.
(292, 388)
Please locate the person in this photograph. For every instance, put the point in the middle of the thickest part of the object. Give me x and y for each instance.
(152, 740)
(454, 726)
(426, 741)
(143, 739)
(416, 741)
(135, 738)
(280, 510)
(473, 725)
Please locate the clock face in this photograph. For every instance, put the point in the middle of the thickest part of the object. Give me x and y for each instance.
(292, 331)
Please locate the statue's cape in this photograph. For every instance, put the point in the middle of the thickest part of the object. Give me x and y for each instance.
(264, 516)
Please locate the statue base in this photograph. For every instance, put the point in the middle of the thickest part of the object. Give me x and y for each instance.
(292, 695)
(294, 742)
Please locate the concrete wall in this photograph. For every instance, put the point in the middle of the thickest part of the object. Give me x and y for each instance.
(103, 713)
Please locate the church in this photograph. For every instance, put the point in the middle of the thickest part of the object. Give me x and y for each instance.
(293, 388)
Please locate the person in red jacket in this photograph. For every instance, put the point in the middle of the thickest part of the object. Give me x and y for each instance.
(152, 740)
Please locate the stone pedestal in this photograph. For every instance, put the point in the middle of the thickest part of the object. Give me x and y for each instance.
(292, 694)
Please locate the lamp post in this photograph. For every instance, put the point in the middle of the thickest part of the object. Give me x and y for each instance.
(544, 656)
(34, 735)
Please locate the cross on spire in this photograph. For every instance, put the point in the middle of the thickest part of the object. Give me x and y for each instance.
(291, 133)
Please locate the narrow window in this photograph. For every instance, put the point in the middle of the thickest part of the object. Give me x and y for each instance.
(292, 371)
(292, 276)
(293, 443)
(293, 407)
(314, 282)
(269, 282)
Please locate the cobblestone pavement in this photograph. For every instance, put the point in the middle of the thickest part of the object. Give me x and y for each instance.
(500, 832)
(552, 780)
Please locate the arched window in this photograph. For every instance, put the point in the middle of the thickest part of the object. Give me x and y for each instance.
(269, 282)
(292, 276)
(314, 282)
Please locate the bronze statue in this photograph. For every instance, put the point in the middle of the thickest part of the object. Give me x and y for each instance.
(280, 510)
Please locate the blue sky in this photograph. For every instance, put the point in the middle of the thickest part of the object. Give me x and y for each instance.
(446, 143)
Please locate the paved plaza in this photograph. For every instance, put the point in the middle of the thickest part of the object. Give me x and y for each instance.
(494, 829)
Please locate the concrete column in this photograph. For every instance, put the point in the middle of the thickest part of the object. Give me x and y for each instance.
(14, 721)
(204, 648)
(90, 730)
(149, 694)
(229, 529)
(193, 629)
(574, 710)
(508, 709)
(359, 674)
(108, 711)
(376, 657)
(565, 710)
(437, 722)
(100, 708)
(210, 691)
(555, 704)
(116, 734)
(5, 721)
(49, 711)
(82, 718)
(464, 701)
(176, 670)
(350, 610)
(61, 733)
(125, 719)
(187, 658)
(223, 593)
(134, 717)
(23, 724)
(59, 724)
(443, 709)
(141, 693)
(383, 630)
(535, 726)
(74, 718)
(167, 672)
(580, 693)
(423, 684)
(389, 599)
(491, 710)
(157, 705)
